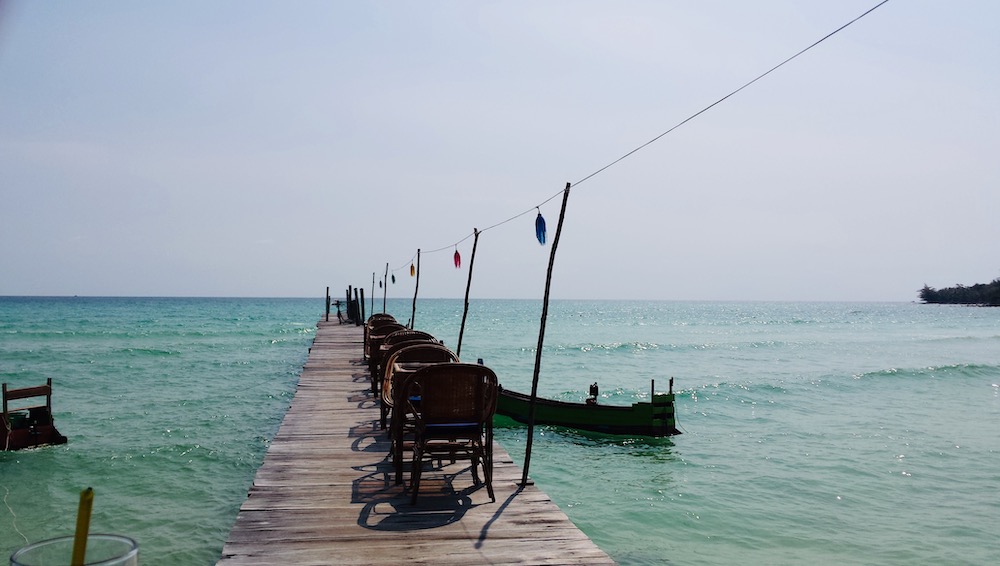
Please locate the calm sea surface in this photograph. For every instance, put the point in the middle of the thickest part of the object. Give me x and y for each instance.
(863, 433)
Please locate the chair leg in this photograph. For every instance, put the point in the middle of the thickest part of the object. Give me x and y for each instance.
(415, 470)
(475, 464)
(397, 451)
(488, 473)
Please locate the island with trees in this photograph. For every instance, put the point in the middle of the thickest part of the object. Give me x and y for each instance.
(982, 294)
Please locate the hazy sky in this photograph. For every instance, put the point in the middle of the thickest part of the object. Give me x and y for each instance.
(235, 148)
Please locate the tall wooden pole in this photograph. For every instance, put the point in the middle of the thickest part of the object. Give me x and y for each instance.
(413, 314)
(465, 313)
(371, 300)
(541, 340)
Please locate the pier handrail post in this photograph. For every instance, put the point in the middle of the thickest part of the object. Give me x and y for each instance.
(465, 312)
(327, 303)
(541, 339)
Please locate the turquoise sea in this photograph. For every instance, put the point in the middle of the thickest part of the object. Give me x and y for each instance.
(862, 433)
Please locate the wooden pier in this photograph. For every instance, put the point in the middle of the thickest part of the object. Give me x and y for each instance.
(325, 492)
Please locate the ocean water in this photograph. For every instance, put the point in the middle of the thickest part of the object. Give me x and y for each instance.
(864, 433)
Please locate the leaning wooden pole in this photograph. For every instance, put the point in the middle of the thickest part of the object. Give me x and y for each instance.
(385, 287)
(541, 340)
(413, 313)
(465, 313)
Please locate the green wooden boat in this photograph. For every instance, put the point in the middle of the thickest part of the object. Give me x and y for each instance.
(655, 418)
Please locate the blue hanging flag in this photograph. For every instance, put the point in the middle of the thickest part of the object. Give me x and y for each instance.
(540, 228)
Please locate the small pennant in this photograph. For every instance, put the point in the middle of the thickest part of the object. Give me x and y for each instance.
(413, 271)
(393, 278)
(458, 260)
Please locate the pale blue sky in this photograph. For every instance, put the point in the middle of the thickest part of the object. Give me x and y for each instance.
(234, 148)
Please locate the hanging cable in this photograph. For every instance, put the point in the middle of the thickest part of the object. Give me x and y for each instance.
(719, 101)
(657, 138)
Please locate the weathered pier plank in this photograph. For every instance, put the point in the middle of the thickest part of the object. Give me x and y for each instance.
(325, 492)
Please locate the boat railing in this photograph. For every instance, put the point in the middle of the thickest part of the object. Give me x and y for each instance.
(27, 393)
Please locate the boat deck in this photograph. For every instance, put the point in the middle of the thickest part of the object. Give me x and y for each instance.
(325, 493)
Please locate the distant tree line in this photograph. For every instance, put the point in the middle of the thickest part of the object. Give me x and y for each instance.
(985, 294)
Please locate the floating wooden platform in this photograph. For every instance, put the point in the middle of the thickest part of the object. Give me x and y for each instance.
(325, 493)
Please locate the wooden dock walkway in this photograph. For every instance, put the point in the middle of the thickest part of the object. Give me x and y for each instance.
(325, 493)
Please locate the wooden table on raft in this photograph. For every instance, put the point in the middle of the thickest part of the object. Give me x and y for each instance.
(325, 492)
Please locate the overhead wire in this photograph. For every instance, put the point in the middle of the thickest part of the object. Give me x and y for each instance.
(658, 137)
(724, 98)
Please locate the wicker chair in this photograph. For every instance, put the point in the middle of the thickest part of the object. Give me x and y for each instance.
(435, 354)
(452, 407)
(373, 343)
(407, 334)
(392, 339)
(375, 321)
(392, 400)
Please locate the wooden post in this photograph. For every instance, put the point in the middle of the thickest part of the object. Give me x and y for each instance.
(372, 299)
(359, 319)
(541, 340)
(328, 303)
(413, 313)
(350, 304)
(465, 313)
(364, 317)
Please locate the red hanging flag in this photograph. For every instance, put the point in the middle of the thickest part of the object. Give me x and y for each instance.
(458, 260)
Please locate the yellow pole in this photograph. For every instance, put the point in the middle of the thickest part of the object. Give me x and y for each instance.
(82, 526)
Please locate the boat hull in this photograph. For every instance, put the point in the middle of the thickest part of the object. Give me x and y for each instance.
(640, 419)
(28, 429)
